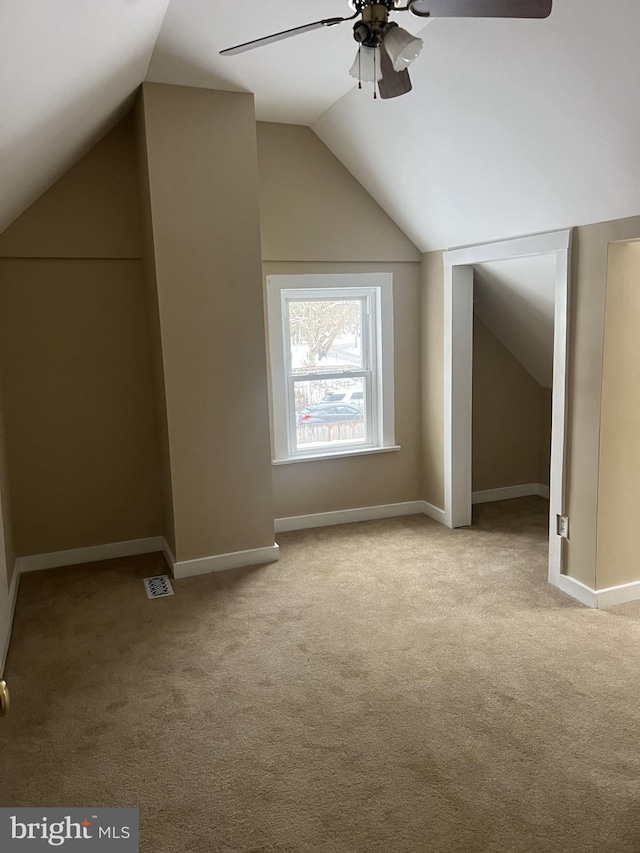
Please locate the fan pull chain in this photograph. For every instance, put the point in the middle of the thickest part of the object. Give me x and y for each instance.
(375, 82)
(359, 67)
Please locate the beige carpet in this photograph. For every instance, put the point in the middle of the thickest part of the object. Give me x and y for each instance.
(389, 686)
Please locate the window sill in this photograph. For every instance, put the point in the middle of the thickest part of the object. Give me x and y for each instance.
(367, 451)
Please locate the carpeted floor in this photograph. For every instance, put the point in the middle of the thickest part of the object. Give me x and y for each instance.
(389, 686)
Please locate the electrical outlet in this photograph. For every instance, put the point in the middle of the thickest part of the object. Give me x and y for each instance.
(562, 526)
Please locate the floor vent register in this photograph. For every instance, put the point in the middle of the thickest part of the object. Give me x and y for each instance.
(158, 587)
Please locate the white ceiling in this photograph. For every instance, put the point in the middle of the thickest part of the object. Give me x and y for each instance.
(513, 127)
(294, 80)
(516, 300)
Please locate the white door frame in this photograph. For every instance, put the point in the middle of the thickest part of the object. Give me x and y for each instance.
(458, 373)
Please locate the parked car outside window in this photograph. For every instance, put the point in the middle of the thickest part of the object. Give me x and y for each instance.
(324, 413)
(354, 398)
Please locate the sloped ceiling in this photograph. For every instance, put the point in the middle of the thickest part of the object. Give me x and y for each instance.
(513, 127)
(67, 71)
(515, 299)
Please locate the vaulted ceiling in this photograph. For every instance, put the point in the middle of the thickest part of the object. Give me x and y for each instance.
(513, 127)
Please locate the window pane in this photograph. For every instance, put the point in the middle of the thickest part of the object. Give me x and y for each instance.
(330, 412)
(325, 334)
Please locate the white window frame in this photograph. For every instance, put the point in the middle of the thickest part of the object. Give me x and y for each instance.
(377, 290)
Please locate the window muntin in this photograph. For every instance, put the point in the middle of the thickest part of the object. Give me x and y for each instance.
(330, 346)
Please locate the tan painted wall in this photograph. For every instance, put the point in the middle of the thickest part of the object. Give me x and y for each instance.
(74, 357)
(507, 416)
(313, 209)
(432, 369)
(544, 447)
(91, 212)
(618, 557)
(300, 488)
(315, 218)
(78, 410)
(203, 178)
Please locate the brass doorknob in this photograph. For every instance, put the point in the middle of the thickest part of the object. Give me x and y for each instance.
(5, 700)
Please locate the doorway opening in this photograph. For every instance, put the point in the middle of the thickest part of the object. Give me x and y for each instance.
(458, 338)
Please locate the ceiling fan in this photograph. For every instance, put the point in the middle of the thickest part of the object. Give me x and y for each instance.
(388, 66)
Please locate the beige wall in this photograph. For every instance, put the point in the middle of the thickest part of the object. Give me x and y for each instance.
(203, 179)
(544, 446)
(74, 357)
(78, 410)
(91, 212)
(313, 209)
(316, 218)
(507, 416)
(618, 558)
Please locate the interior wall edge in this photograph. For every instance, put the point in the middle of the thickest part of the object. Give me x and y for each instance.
(154, 328)
(584, 388)
(619, 459)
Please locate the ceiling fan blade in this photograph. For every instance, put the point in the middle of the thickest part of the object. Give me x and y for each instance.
(481, 8)
(393, 83)
(285, 34)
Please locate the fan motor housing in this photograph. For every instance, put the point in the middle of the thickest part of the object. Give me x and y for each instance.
(365, 35)
(369, 31)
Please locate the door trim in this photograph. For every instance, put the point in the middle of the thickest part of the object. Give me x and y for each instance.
(458, 374)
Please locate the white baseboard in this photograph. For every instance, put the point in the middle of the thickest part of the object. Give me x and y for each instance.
(347, 516)
(168, 554)
(222, 562)
(576, 589)
(600, 597)
(433, 512)
(216, 563)
(92, 554)
(508, 492)
(618, 594)
(13, 597)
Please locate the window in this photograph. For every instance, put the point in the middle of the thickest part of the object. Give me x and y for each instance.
(331, 355)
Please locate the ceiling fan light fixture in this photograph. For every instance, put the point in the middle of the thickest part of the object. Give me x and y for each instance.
(402, 47)
(367, 66)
